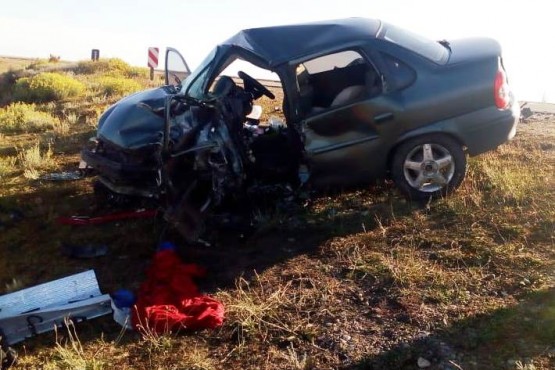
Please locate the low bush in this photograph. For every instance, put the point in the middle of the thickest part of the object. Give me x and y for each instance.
(142, 72)
(54, 58)
(110, 85)
(33, 159)
(7, 165)
(46, 87)
(22, 117)
(7, 83)
(113, 67)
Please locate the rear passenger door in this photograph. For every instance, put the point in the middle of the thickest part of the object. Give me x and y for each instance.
(342, 108)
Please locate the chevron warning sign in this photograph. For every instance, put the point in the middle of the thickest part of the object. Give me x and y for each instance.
(153, 57)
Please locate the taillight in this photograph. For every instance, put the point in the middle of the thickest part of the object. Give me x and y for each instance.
(501, 90)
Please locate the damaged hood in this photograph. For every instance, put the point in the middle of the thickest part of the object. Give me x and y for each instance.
(132, 122)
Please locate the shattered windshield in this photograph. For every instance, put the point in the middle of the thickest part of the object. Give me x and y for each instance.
(193, 84)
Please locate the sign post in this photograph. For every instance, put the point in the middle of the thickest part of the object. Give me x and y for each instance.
(152, 60)
(95, 54)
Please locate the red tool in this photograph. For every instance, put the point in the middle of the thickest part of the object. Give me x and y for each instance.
(87, 220)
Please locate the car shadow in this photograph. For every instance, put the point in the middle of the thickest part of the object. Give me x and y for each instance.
(32, 251)
(32, 248)
(507, 338)
(284, 232)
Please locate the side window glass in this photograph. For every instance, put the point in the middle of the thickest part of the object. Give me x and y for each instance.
(402, 74)
(335, 80)
(176, 68)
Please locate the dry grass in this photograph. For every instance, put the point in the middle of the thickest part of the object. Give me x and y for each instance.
(256, 311)
(21, 117)
(196, 359)
(14, 285)
(7, 64)
(70, 354)
(34, 159)
(355, 280)
(7, 166)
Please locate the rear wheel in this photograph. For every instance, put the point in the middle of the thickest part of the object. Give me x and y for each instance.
(428, 167)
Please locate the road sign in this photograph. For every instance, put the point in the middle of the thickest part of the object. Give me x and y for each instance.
(153, 57)
(95, 54)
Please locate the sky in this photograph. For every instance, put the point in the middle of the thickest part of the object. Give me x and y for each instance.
(126, 28)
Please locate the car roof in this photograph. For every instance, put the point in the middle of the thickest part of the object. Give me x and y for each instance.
(279, 44)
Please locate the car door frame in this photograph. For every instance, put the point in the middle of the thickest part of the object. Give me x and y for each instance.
(166, 59)
(353, 158)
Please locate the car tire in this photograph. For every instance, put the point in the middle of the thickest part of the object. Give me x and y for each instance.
(429, 166)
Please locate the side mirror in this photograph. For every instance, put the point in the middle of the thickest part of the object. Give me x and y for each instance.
(176, 68)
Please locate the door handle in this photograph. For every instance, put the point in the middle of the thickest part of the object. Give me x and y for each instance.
(383, 117)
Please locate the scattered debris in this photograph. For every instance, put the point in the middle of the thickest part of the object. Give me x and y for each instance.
(123, 301)
(37, 309)
(41, 308)
(87, 220)
(423, 363)
(84, 251)
(63, 176)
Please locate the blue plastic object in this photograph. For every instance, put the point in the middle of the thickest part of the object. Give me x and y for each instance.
(164, 246)
(123, 298)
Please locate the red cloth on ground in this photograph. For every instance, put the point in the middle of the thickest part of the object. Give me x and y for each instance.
(169, 300)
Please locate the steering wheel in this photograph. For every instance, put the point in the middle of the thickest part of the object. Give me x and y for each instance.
(176, 79)
(255, 87)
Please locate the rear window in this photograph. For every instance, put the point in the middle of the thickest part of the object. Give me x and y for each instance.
(332, 61)
(429, 49)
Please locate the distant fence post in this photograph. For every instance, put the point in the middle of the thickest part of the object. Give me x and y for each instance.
(95, 54)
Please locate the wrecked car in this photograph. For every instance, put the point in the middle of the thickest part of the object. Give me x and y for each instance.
(362, 100)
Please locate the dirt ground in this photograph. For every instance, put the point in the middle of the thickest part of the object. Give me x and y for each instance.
(350, 279)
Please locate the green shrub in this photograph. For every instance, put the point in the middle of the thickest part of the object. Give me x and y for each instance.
(7, 83)
(113, 67)
(110, 85)
(118, 65)
(7, 165)
(21, 117)
(33, 159)
(86, 67)
(47, 87)
(139, 72)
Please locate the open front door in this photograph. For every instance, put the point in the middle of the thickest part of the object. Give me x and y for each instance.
(176, 68)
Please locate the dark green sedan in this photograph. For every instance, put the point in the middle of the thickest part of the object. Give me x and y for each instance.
(362, 99)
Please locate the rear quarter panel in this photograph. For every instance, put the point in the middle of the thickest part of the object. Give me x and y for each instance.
(443, 91)
(455, 99)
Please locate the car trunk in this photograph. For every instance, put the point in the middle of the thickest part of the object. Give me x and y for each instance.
(473, 49)
(464, 84)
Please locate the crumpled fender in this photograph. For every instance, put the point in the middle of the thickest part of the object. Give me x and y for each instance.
(131, 124)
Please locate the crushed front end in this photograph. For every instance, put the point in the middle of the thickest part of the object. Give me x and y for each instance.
(126, 153)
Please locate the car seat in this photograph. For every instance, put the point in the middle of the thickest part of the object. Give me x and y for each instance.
(352, 93)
